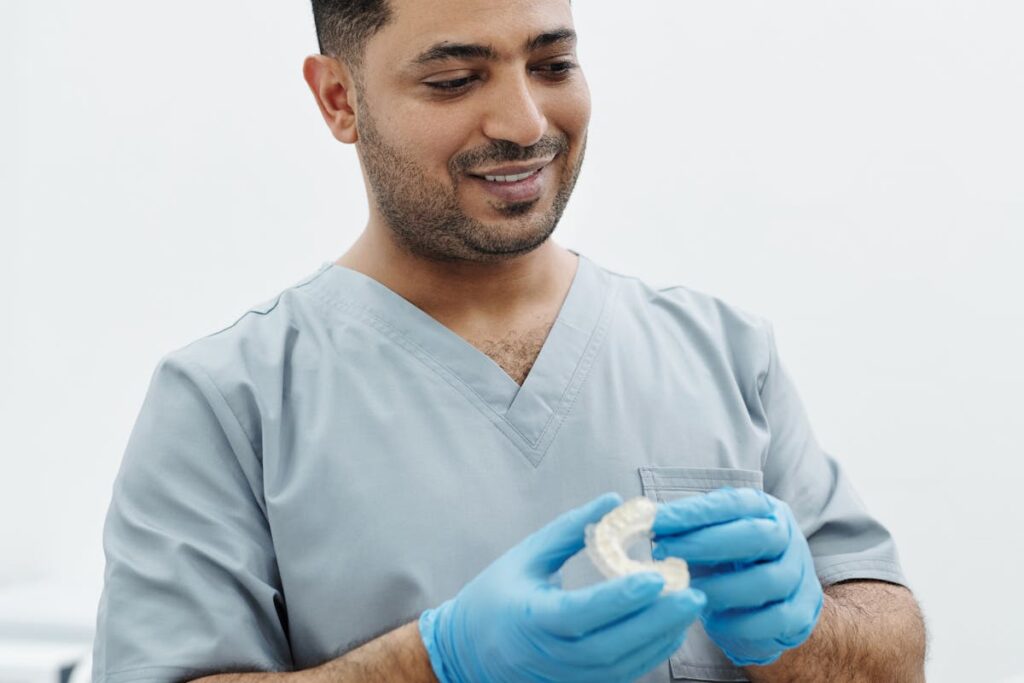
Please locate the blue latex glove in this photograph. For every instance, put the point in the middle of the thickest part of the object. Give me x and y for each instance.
(511, 622)
(748, 555)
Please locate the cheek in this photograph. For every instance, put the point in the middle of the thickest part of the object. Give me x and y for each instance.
(571, 112)
(439, 142)
(427, 139)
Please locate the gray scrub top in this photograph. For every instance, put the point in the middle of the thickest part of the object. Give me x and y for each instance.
(337, 461)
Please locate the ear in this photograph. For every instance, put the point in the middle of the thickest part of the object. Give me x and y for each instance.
(331, 84)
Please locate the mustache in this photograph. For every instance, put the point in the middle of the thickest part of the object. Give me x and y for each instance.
(506, 151)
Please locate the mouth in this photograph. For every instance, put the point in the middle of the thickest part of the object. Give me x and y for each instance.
(507, 172)
(515, 187)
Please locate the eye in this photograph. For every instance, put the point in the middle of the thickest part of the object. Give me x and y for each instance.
(558, 69)
(450, 86)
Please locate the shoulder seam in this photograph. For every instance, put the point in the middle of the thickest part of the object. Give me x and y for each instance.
(768, 364)
(254, 309)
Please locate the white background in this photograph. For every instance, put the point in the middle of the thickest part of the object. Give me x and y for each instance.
(851, 170)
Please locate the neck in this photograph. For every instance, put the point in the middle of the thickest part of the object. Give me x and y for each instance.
(464, 292)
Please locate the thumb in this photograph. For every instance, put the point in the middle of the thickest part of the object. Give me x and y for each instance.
(549, 547)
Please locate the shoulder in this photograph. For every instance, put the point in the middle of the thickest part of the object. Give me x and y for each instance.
(260, 334)
(701, 324)
(252, 355)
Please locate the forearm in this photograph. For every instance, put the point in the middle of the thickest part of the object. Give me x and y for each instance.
(397, 655)
(867, 631)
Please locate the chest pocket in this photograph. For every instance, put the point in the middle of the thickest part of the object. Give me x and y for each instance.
(699, 659)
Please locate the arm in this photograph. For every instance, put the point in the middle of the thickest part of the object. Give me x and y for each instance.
(869, 631)
(397, 655)
(511, 622)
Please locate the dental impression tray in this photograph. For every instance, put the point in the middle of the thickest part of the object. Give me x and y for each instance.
(606, 544)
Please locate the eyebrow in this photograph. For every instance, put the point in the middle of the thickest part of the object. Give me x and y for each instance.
(447, 50)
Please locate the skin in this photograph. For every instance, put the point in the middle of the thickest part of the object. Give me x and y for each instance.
(434, 236)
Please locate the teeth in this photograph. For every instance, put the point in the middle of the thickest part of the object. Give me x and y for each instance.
(510, 178)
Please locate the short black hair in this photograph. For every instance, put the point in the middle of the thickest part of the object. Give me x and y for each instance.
(343, 27)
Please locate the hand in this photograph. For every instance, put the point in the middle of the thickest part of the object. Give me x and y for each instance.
(748, 555)
(512, 623)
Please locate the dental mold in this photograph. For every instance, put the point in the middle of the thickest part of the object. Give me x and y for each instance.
(607, 541)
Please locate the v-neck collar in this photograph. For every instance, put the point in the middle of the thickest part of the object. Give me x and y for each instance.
(529, 414)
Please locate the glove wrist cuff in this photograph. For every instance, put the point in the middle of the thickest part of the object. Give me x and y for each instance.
(752, 661)
(428, 628)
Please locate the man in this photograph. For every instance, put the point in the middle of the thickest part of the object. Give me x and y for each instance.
(385, 472)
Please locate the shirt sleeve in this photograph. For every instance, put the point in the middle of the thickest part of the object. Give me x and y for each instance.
(846, 541)
(191, 584)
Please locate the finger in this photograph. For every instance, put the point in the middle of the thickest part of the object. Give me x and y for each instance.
(740, 540)
(715, 507)
(670, 613)
(574, 613)
(784, 622)
(595, 668)
(754, 585)
(548, 548)
(642, 660)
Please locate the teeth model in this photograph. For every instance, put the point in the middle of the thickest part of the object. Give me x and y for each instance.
(606, 544)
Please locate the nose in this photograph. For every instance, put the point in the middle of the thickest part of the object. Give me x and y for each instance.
(513, 112)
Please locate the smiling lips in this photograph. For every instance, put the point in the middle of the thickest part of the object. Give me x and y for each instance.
(514, 170)
(515, 186)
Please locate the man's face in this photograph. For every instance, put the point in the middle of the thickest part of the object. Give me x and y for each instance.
(422, 146)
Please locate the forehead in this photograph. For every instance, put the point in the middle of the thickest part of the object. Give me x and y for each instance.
(504, 24)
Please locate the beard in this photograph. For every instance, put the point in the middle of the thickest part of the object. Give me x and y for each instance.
(425, 215)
